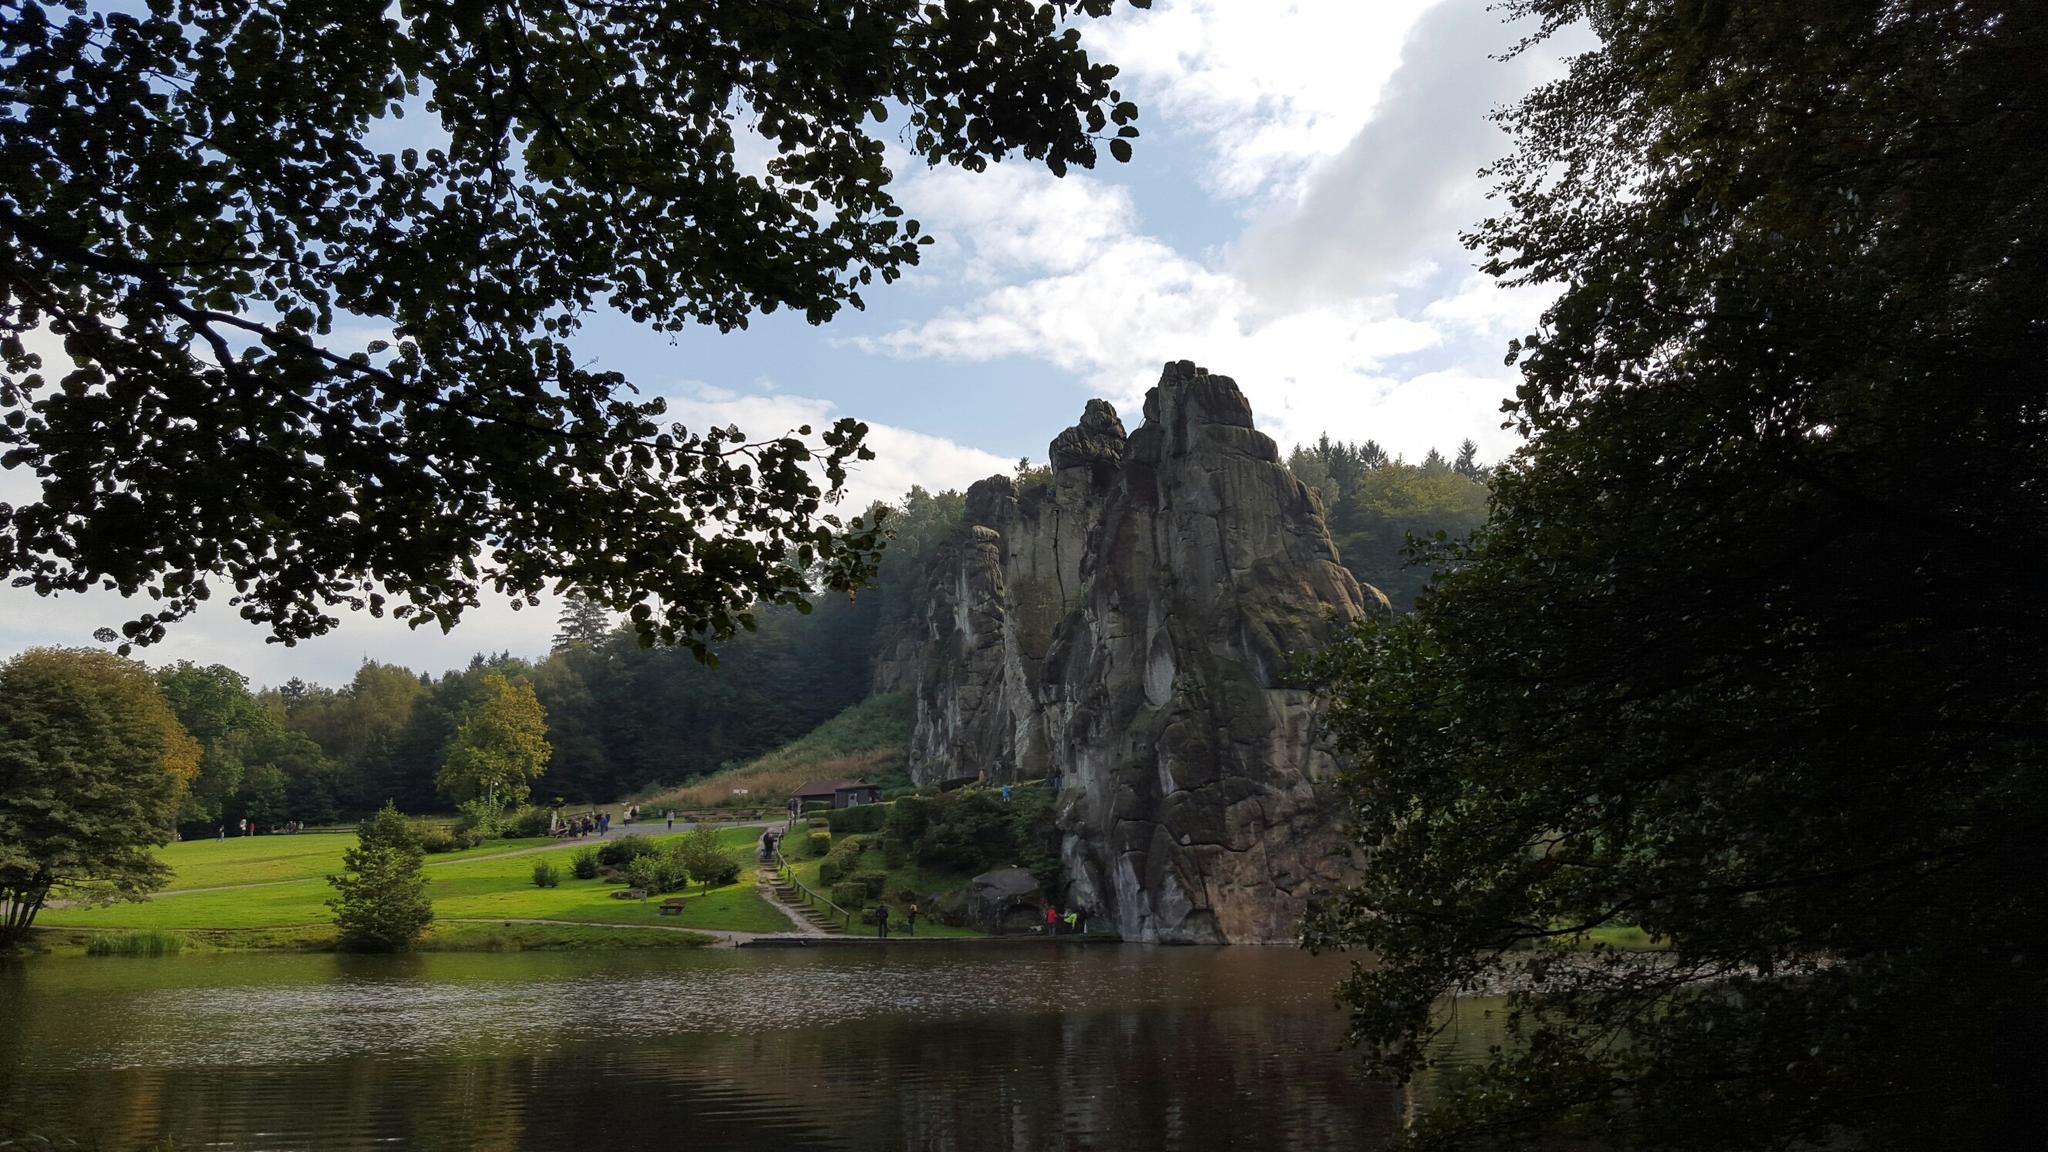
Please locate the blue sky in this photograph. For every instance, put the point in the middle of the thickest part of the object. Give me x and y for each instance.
(1291, 219)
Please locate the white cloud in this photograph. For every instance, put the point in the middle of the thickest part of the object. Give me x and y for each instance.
(1407, 182)
(1274, 86)
(1349, 307)
(903, 457)
(1016, 217)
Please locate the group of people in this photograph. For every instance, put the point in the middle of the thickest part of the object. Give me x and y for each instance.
(882, 920)
(246, 827)
(1073, 923)
(577, 827)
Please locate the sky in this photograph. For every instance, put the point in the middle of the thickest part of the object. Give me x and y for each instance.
(1291, 219)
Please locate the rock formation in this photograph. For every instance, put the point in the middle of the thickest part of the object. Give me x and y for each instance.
(1127, 627)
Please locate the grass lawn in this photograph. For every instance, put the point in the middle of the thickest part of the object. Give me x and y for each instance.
(442, 937)
(500, 888)
(268, 859)
(1622, 938)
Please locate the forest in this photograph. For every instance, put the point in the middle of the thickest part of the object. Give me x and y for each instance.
(623, 718)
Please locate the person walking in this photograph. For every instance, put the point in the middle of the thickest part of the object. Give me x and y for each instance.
(910, 921)
(671, 819)
(882, 921)
(1052, 920)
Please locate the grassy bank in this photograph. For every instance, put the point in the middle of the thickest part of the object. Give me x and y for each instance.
(442, 937)
(292, 913)
(867, 741)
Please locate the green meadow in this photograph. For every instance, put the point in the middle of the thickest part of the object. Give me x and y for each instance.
(286, 904)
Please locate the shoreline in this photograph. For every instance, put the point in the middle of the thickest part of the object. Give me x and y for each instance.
(477, 935)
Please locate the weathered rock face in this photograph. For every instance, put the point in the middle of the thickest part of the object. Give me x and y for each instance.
(1127, 628)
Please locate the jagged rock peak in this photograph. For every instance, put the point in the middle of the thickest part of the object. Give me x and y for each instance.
(1124, 631)
(990, 500)
(1098, 439)
(1191, 410)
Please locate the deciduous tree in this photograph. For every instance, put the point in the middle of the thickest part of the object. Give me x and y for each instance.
(1749, 656)
(93, 766)
(317, 357)
(499, 749)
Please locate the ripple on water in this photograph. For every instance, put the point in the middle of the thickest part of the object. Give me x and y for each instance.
(939, 1048)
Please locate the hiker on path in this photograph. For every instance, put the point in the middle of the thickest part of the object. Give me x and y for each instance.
(671, 819)
(882, 920)
(910, 921)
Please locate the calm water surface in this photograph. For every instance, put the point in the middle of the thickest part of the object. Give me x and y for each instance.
(972, 1048)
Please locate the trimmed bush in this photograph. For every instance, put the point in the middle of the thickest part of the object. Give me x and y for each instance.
(584, 864)
(861, 818)
(546, 875)
(849, 895)
(818, 845)
(725, 873)
(828, 872)
(870, 882)
(625, 850)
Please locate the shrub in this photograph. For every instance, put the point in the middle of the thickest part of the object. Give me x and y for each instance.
(870, 883)
(528, 822)
(660, 872)
(134, 944)
(967, 832)
(625, 850)
(435, 838)
(584, 864)
(828, 871)
(723, 873)
(645, 873)
(862, 818)
(849, 895)
(546, 875)
(818, 844)
(466, 838)
(817, 822)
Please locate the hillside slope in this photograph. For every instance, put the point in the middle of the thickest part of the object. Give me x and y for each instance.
(867, 741)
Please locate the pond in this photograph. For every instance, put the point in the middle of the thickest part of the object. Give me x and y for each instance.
(923, 1047)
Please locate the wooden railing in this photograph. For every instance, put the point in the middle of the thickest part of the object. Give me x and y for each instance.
(810, 896)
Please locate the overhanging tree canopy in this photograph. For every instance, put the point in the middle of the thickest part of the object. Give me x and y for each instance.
(199, 199)
(1750, 653)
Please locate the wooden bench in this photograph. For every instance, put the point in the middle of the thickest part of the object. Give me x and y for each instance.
(673, 906)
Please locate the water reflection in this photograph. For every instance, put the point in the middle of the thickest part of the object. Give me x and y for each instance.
(978, 1048)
